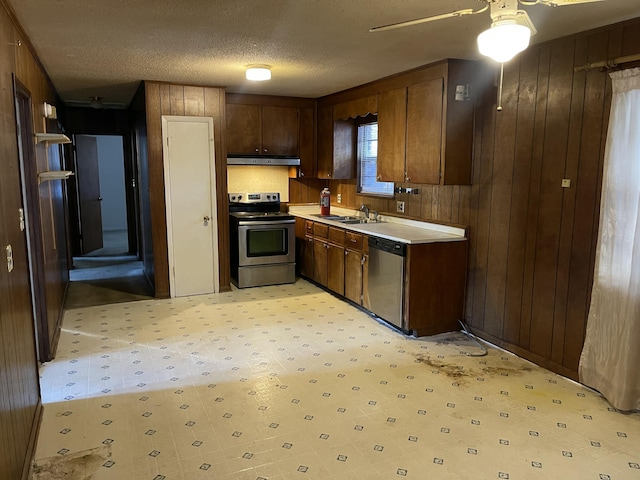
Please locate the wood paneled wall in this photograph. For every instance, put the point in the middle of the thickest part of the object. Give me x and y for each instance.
(165, 99)
(532, 242)
(20, 405)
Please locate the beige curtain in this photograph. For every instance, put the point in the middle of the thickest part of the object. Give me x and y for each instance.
(611, 354)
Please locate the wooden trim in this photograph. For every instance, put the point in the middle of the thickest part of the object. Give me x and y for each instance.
(33, 441)
(527, 355)
(271, 100)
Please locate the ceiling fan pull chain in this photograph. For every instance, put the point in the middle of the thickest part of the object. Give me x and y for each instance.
(500, 88)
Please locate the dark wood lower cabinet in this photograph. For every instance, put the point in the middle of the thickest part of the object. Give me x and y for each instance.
(434, 283)
(320, 257)
(353, 275)
(335, 269)
(435, 278)
(305, 256)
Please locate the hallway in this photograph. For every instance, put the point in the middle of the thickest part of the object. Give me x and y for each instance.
(108, 275)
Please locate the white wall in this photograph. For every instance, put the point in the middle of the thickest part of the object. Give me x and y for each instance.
(112, 189)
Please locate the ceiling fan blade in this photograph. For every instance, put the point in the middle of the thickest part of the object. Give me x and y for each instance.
(457, 13)
(556, 3)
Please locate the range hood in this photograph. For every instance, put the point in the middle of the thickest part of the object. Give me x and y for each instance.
(264, 160)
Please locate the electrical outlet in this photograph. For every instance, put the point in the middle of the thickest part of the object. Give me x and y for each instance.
(339, 198)
(400, 207)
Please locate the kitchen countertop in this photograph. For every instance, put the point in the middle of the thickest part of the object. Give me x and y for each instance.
(391, 228)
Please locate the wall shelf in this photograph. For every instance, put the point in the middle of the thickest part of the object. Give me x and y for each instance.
(52, 138)
(54, 175)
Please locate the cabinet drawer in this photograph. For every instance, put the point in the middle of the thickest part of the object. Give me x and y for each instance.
(336, 235)
(320, 230)
(308, 227)
(354, 241)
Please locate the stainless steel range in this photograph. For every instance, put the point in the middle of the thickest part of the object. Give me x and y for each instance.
(262, 240)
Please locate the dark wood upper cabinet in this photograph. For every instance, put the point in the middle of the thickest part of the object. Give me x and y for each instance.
(336, 145)
(425, 134)
(392, 133)
(244, 129)
(254, 129)
(280, 130)
(308, 163)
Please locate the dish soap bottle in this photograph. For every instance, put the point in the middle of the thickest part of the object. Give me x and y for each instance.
(325, 201)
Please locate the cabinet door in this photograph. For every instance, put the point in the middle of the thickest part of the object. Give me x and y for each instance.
(366, 303)
(320, 262)
(353, 276)
(243, 129)
(307, 143)
(325, 142)
(392, 121)
(280, 127)
(424, 132)
(306, 257)
(335, 267)
(344, 149)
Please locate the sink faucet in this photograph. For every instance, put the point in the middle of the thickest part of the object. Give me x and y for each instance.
(365, 209)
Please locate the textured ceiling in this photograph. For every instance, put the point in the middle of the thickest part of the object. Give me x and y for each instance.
(315, 47)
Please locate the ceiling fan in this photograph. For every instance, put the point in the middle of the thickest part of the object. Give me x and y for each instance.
(510, 29)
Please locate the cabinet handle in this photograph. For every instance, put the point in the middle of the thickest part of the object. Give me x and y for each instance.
(326, 245)
(257, 150)
(353, 240)
(379, 177)
(346, 252)
(408, 179)
(266, 151)
(329, 175)
(364, 259)
(302, 174)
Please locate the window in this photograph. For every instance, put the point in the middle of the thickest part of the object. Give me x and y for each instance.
(368, 159)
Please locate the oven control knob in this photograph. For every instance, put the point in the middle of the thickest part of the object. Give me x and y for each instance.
(233, 198)
(239, 197)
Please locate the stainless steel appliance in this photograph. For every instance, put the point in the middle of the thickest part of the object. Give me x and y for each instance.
(262, 240)
(386, 279)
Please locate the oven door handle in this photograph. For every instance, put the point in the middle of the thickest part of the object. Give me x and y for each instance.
(275, 223)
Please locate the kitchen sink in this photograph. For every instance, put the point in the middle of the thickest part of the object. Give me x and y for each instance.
(346, 219)
(352, 220)
(355, 220)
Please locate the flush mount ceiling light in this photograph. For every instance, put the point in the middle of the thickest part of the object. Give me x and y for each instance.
(258, 73)
(504, 40)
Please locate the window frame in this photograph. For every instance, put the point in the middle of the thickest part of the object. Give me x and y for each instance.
(359, 122)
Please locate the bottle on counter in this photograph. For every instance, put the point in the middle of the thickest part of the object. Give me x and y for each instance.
(325, 201)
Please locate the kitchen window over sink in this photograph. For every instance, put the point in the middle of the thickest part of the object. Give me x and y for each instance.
(368, 159)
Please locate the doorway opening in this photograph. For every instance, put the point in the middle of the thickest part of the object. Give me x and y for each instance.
(106, 266)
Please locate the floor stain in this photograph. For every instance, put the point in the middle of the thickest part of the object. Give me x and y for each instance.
(459, 372)
(81, 465)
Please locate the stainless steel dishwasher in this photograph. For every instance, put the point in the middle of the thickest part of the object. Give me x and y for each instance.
(386, 279)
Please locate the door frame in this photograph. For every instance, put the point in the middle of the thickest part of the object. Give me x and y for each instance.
(213, 191)
(33, 227)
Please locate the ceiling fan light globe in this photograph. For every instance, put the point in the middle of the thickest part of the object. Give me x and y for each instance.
(504, 41)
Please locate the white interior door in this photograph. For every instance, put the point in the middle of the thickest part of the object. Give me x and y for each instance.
(190, 191)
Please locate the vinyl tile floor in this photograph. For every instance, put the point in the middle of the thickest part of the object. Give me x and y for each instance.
(290, 382)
